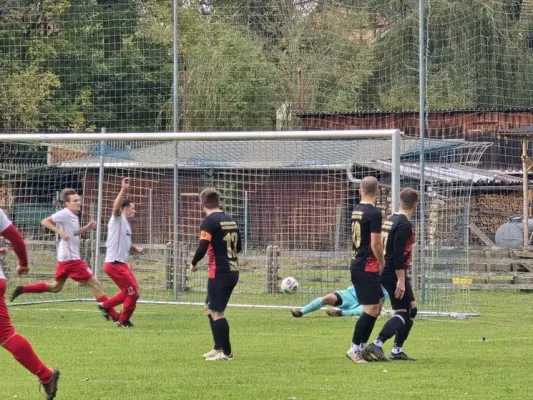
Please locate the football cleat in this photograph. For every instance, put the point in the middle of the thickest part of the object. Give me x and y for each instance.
(125, 324)
(355, 356)
(211, 353)
(401, 356)
(220, 356)
(50, 387)
(16, 293)
(296, 313)
(334, 312)
(375, 353)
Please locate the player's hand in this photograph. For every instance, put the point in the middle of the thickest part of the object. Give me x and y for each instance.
(4, 250)
(125, 183)
(90, 225)
(400, 290)
(193, 268)
(138, 250)
(63, 235)
(22, 270)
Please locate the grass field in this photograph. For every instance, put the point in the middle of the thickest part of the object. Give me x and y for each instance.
(276, 356)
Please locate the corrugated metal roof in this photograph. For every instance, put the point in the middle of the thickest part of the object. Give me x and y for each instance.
(374, 112)
(263, 154)
(445, 173)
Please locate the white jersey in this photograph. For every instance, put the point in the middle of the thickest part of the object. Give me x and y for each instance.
(69, 223)
(118, 239)
(4, 224)
(4, 221)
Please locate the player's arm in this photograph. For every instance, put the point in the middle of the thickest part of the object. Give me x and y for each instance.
(206, 234)
(120, 197)
(87, 227)
(376, 242)
(12, 234)
(136, 249)
(239, 242)
(354, 312)
(49, 224)
(401, 238)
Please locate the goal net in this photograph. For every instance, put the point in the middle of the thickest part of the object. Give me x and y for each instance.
(291, 195)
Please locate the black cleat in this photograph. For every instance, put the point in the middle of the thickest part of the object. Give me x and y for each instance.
(50, 388)
(401, 357)
(105, 312)
(334, 312)
(125, 324)
(296, 313)
(375, 353)
(16, 293)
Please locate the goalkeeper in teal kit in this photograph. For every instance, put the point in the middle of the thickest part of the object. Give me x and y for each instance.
(345, 304)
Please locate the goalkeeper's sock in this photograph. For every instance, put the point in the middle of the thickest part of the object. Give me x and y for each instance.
(316, 304)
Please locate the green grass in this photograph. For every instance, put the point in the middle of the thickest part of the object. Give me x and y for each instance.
(276, 356)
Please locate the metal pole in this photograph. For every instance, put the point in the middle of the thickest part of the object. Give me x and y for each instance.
(99, 208)
(150, 216)
(175, 256)
(526, 193)
(422, 122)
(396, 153)
(175, 49)
(245, 221)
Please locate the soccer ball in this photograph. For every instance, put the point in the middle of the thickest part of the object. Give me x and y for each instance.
(289, 285)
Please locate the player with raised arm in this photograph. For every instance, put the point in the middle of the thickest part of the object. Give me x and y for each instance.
(366, 266)
(344, 303)
(9, 339)
(221, 240)
(118, 246)
(69, 263)
(398, 234)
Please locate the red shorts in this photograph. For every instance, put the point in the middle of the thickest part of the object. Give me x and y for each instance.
(123, 277)
(7, 330)
(76, 270)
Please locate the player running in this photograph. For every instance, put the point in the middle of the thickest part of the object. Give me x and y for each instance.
(118, 246)
(399, 236)
(69, 263)
(9, 339)
(221, 240)
(345, 304)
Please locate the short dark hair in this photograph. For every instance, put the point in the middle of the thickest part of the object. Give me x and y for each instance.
(65, 194)
(126, 203)
(210, 198)
(408, 198)
(369, 186)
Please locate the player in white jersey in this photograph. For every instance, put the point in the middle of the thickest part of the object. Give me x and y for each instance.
(69, 263)
(118, 246)
(9, 339)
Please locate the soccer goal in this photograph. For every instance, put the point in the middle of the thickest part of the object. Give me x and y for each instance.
(291, 192)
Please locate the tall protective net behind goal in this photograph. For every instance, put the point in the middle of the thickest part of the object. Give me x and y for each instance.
(292, 200)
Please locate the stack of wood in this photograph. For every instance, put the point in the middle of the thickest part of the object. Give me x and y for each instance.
(490, 211)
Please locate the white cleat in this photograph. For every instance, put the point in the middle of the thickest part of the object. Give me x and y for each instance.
(220, 356)
(356, 357)
(211, 353)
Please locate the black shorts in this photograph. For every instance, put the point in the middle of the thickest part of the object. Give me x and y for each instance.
(367, 287)
(338, 302)
(389, 283)
(219, 291)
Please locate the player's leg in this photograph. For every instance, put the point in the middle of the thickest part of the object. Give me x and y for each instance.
(114, 272)
(130, 303)
(368, 290)
(222, 288)
(22, 350)
(403, 333)
(216, 346)
(330, 300)
(347, 306)
(100, 295)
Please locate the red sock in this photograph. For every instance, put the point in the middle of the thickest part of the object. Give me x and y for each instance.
(129, 307)
(40, 287)
(116, 300)
(24, 354)
(111, 311)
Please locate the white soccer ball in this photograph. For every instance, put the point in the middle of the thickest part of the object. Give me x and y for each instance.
(289, 285)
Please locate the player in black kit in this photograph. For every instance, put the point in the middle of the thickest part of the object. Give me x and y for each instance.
(398, 234)
(221, 240)
(366, 266)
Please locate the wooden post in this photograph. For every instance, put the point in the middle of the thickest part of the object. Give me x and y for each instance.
(525, 170)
